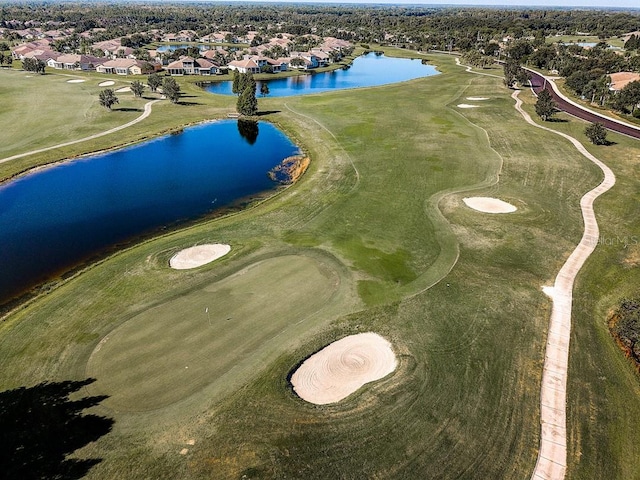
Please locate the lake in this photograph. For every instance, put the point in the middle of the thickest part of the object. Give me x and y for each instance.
(53, 219)
(366, 71)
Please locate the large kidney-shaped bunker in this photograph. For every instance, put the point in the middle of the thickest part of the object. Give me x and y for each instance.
(342, 367)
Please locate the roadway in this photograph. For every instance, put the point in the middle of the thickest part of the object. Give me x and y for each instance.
(540, 82)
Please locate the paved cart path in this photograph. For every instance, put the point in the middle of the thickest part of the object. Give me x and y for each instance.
(145, 114)
(552, 456)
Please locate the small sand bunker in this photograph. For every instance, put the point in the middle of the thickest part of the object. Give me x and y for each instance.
(489, 205)
(199, 255)
(477, 99)
(123, 90)
(108, 83)
(341, 368)
(466, 105)
(77, 80)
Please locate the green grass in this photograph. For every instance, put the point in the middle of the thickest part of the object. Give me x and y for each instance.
(380, 211)
(604, 389)
(236, 321)
(613, 41)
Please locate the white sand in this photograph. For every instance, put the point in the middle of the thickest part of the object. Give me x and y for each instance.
(108, 83)
(477, 99)
(77, 80)
(123, 90)
(466, 105)
(489, 205)
(199, 255)
(341, 368)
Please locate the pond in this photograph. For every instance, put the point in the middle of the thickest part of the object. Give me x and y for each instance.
(53, 219)
(366, 71)
(171, 48)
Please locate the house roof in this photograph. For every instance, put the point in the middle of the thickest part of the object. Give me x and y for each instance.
(122, 63)
(622, 79)
(243, 64)
(73, 58)
(204, 63)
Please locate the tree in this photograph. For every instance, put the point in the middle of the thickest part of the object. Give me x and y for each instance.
(596, 133)
(108, 98)
(512, 71)
(264, 89)
(630, 95)
(33, 65)
(235, 86)
(171, 89)
(247, 102)
(137, 88)
(154, 81)
(545, 106)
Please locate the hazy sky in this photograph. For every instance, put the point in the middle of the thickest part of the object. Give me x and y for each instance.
(542, 3)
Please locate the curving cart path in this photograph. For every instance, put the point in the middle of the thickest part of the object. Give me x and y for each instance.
(552, 456)
(145, 114)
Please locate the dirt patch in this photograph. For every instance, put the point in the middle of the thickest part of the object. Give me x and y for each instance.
(197, 256)
(489, 205)
(341, 368)
(290, 170)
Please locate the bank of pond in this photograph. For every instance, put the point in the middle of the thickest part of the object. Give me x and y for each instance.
(58, 217)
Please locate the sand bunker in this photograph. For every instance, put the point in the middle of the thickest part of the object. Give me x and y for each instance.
(466, 105)
(341, 368)
(489, 205)
(477, 99)
(108, 83)
(123, 90)
(199, 255)
(77, 80)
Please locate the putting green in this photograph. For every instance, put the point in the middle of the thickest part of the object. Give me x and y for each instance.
(178, 348)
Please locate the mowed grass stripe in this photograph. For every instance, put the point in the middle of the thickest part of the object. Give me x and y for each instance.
(192, 341)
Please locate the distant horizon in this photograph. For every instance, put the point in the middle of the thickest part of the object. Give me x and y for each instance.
(591, 4)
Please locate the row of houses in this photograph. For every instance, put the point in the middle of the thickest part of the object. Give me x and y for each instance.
(119, 60)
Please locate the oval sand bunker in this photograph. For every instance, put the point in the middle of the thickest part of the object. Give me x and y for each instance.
(489, 205)
(108, 83)
(199, 255)
(341, 368)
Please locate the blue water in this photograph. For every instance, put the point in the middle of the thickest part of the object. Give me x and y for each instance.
(366, 71)
(171, 48)
(53, 219)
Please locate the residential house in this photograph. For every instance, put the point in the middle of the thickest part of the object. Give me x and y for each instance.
(44, 55)
(75, 62)
(124, 66)
(256, 64)
(310, 60)
(113, 49)
(622, 79)
(191, 66)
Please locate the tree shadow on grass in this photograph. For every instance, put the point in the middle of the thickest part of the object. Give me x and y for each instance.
(128, 109)
(40, 427)
(266, 112)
